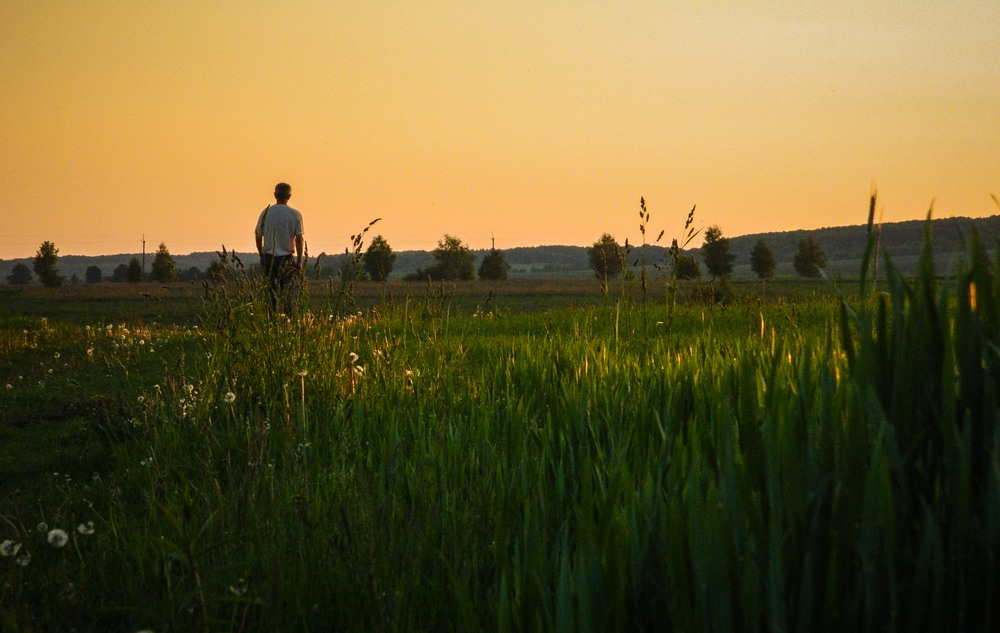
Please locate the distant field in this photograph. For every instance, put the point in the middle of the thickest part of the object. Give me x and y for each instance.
(181, 303)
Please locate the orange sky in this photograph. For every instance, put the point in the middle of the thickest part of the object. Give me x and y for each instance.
(528, 122)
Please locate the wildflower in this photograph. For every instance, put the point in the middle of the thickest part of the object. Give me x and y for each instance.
(58, 538)
(189, 388)
(10, 386)
(24, 559)
(90, 352)
(239, 587)
(354, 357)
(302, 374)
(85, 528)
(57, 354)
(42, 527)
(229, 398)
(359, 370)
(9, 548)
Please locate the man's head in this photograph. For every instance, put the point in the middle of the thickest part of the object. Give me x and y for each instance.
(282, 192)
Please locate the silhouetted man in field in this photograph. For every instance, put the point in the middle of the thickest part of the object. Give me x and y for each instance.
(280, 243)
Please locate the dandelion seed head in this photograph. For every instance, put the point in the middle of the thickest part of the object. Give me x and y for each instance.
(58, 538)
(9, 548)
(85, 528)
(302, 373)
(42, 527)
(57, 354)
(354, 357)
(24, 560)
(229, 398)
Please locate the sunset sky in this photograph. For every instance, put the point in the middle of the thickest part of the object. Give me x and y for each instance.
(531, 123)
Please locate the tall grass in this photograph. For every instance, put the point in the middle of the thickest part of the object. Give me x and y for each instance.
(757, 466)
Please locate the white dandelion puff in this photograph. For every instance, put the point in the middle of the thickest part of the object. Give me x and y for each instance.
(42, 527)
(24, 559)
(229, 398)
(58, 538)
(302, 373)
(354, 357)
(9, 548)
(85, 528)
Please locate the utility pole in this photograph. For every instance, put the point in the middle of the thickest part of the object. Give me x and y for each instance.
(144, 255)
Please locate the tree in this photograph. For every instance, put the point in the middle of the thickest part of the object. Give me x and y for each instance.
(453, 261)
(163, 269)
(715, 253)
(687, 267)
(45, 265)
(607, 260)
(120, 273)
(133, 272)
(20, 275)
(93, 275)
(810, 258)
(494, 266)
(378, 259)
(762, 260)
(191, 274)
(219, 270)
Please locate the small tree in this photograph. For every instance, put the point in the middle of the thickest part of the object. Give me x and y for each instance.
(715, 253)
(218, 271)
(163, 269)
(20, 275)
(93, 275)
(45, 265)
(191, 274)
(378, 259)
(453, 260)
(494, 266)
(133, 273)
(810, 258)
(687, 267)
(762, 260)
(120, 273)
(607, 260)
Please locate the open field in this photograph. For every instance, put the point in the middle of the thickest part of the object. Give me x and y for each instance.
(520, 456)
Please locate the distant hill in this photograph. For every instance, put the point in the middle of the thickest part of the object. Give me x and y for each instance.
(844, 247)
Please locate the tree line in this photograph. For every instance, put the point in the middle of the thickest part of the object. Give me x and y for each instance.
(453, 261)
(608, 258)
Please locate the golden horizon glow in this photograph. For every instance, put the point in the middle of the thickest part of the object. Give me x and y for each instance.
(527, 123)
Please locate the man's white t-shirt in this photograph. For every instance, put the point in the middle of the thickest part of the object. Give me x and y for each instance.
(279, 225)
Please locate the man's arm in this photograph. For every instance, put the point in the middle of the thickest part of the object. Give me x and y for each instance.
(300, 250)
(260, 244)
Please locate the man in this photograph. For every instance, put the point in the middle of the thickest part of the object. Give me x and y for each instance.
(279, 240)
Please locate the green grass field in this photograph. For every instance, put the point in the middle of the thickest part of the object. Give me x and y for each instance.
(516, 457)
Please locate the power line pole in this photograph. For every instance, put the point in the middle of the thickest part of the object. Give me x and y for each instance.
(143, 254)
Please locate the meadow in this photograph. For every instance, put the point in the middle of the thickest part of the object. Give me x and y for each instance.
(702, 457)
